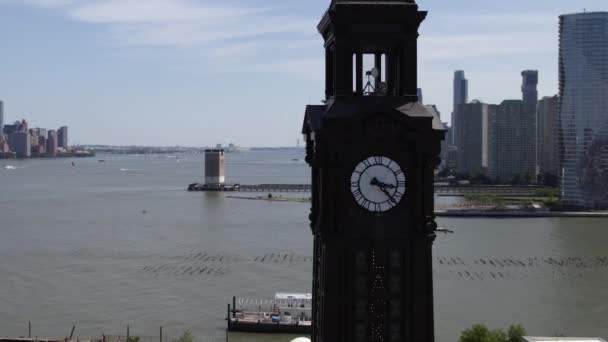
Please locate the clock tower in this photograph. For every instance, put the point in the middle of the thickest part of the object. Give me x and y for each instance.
(373, 149)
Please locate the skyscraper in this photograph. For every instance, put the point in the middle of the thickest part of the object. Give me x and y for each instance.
(62, 137)
(529, 90)
(546, 135)
(461, 96)
(472, 155)
(513, 151)
(22, 144)
(51, 143)
(583, 109)
(513, 142)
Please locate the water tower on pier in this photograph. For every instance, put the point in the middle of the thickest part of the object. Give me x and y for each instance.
(214, 168)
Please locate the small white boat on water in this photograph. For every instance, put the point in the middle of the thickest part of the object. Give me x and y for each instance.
(10, 167)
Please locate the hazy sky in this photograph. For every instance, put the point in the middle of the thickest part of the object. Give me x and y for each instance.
(198, 72)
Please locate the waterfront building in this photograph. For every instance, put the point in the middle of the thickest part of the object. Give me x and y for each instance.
(62, 137)
(1, 121)
(34, 139)
(472, 136)
(23, 126)
(513, 143)
(21, 143)
(41, 144)
(40, 132)
(51, 143)
(215, 169)
(513, 136)
(546, 135)
(583, 109)
(461, 96)
(10, 129)
(4, 147)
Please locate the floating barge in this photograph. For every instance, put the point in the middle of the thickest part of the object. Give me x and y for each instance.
(287, 313)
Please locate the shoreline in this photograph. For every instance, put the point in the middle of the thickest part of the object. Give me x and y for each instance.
(59, 156)
(465, 213)
(521, 214)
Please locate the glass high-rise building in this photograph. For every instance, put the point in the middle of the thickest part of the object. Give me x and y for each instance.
(583, 109)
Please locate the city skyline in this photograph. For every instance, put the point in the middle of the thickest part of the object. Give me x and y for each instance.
(185, 63)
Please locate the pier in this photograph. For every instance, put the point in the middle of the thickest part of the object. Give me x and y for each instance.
(441, 190)
(517, 191)
(268, 188)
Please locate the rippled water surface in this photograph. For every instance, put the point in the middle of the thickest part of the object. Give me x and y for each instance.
(103, 245)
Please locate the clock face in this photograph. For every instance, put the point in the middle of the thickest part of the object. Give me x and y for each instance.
(378, 184)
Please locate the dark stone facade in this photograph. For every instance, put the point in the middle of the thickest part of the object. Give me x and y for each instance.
(373, 279)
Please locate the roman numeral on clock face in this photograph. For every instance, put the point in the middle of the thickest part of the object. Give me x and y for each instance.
(358, 195)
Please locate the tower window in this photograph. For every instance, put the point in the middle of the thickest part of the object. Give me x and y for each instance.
(374, 75)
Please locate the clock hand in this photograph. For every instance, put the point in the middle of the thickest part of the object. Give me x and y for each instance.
(376, 182)
(391, 198)
(390, 186)
(383, 187)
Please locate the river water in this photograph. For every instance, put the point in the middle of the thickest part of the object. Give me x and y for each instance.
(105, 245)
